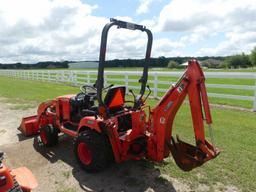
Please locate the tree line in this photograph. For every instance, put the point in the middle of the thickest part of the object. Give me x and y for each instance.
(235, 61)
(39, 65)
(229, 62)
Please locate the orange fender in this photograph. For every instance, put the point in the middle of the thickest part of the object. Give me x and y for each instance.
(25, 178)
(5, 172)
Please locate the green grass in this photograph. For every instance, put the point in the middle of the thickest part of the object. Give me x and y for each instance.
(234, 131)
(35, 90)
(235, 135)
(119, 80)
(155, 69)
(234, 102)
(26, 94)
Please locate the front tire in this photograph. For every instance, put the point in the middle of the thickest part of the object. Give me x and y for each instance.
(49, 135)
(92, 151)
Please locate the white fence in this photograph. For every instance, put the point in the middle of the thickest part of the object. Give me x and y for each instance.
(158, 80)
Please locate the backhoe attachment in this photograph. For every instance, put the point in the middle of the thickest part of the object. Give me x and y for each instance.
(188, 157)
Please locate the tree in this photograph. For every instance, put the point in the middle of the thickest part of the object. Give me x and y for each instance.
(237, 61)
(172, 64)
(245, 61)
(253, 57)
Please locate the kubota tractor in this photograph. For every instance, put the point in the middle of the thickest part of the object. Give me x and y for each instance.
(112, 128)
(16, 180)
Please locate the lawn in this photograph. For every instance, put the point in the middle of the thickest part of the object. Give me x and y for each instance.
(163, 84)
(222, 101)
(235, 134)
(26, 94)
(159, 69)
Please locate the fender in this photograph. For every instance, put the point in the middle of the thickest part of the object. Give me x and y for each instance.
(91, 122)
(44, 105)
(5, 172)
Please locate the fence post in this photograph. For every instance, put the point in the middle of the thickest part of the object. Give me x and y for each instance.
(254, 103)
(155, 85)
(57, 76)
(43, 76)
(105, 80)
(75, 78)
(62, 76)
(126, 78)
(48, 75)
(88, 77)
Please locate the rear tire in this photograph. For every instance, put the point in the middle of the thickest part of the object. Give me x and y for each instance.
(49, 135)
(92, 151)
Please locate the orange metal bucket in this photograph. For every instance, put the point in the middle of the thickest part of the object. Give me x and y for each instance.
(29, 125)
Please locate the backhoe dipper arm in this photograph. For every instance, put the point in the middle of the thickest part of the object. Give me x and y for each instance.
(187, 157)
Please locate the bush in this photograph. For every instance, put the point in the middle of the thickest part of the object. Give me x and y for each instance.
(211, 63)
(172, 64)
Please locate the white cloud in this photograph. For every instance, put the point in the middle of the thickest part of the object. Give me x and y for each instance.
(144, 6)
(47, 30)
(204, 19)
(33, 31)
(166, 47)
(61, 30)
(235, 44)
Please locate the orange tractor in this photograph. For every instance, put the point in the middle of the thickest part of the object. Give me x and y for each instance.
(116, 129)
(16, 180)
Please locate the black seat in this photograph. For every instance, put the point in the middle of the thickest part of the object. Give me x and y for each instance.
(115, 99)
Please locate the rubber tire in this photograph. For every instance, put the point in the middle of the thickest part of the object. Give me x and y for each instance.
(100, 149)
(16, 187)
(51, 134)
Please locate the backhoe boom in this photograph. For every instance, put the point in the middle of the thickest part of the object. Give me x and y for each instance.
(192, 83)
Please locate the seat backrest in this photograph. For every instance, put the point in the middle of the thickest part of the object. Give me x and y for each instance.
(115, 97)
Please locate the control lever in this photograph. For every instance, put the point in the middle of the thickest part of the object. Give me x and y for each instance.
(131, 91)
(148, 93)
(108, 87)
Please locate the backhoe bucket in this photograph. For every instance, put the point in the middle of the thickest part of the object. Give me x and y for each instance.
(187, 156)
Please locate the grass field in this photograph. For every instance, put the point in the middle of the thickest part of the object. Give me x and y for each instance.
(160, 69)
(163, 83)
(235, 134)
(113, 79)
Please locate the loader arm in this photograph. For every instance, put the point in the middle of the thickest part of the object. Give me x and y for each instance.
(187, 157)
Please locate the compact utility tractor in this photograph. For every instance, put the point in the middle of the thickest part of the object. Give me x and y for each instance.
(16, 180)
(112, 128)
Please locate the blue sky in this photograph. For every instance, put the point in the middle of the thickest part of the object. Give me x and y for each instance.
(56, 30)
(126, 8)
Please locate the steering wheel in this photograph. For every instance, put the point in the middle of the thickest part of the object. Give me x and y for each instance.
(92, 93)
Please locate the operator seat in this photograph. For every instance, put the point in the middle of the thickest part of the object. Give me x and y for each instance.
(115, 99)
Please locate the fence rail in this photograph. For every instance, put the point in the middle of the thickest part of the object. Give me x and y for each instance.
(156, 80)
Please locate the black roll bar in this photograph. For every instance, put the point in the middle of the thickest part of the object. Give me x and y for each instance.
(102, 57)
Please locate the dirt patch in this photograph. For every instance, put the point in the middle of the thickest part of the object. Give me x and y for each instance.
(10, 121)
(56, 170)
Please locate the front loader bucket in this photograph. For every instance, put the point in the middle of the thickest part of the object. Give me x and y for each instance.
(29, 125)
(187, 156)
